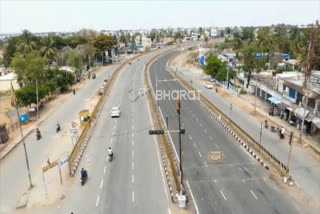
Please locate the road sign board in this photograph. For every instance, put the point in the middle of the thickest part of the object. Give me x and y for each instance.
(214, 156)
(74, 132)
(13, 112)
(74, 124)
(64, 158)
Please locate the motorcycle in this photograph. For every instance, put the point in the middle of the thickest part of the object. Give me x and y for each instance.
(58, 128)
(83, 180)
(38, 135)
(110, 157)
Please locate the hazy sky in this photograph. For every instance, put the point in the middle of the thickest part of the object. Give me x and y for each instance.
(72, 15)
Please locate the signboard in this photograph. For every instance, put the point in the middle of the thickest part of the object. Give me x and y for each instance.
(215, 156)
(32, 109)
(64, 158)
(74, 132)
(74, 124)
(13, 112)
(200, 46)
(202, 60)
(24, 117)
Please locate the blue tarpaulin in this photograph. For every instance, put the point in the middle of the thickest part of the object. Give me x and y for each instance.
(274, 100)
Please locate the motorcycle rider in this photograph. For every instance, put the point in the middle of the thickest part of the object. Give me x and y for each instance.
(84, 174)
(38, 134)
(110, 153)
(58, 126)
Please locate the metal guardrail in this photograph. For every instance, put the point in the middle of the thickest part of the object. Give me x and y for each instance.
(281, 166)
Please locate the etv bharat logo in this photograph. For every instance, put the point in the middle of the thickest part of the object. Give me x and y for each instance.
(175, 94)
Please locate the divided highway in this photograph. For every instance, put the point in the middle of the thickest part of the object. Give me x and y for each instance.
(236, 185)
(133, 182)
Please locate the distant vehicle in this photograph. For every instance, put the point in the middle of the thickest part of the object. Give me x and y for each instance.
(115, 112)
(130, 62)
(208, 85)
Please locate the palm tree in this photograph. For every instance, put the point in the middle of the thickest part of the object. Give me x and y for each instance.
(26, 44)
(48, 50)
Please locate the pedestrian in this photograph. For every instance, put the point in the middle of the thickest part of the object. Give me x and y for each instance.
(282, 133)
(74, 91)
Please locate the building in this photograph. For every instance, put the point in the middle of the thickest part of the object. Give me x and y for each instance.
(290, 98)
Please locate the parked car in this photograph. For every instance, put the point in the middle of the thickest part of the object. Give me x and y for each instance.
(208, 85)
(115, 112)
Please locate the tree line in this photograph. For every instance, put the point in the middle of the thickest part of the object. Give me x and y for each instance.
(36, 60)
(270, 43)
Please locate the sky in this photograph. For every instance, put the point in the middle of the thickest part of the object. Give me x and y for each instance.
(73, 15)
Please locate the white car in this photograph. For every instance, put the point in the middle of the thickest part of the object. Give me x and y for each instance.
(115, 112)
(208, 85)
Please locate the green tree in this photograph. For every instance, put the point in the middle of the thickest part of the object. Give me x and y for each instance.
(63, 56)
(10, 50)
(26, 43)
(248, 56)
(75, 61)
(248, 33)
(133, 43)
(213, 65)
(29, 68)
(103, 43)
(48, 49)
(27, 95)
(223, 73)
(74, 41)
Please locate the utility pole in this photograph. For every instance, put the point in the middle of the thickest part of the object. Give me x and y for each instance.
(303, 117)
(261, 126)
(180, 144)
(230, 110)
(227, 76)
(24, 147)
(290, 143)
(37, 99)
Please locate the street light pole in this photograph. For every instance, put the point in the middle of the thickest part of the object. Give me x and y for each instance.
(37, 99)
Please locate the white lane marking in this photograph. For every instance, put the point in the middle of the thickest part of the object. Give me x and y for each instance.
(132, 166)
(195, 204)
(132, 134)
(132, 197)
(201, 125)
(224, 197)
(243, 181)
(111, 140)
(200, 154)
(245, 168)
(205, 164)
(211, 138)
(215, 181)
(132, 142)
(97, 202)
(205, 130)
(132, 153)
(194, 145)
(254, 195)
(101, 183)
(104, 169)
(114, 126)
(132, 178)
(216, 146)
(190, 137)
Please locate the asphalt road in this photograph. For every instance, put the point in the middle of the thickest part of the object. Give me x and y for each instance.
(236, 185)
(14, 178)
(133, 182)
(304, 168)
